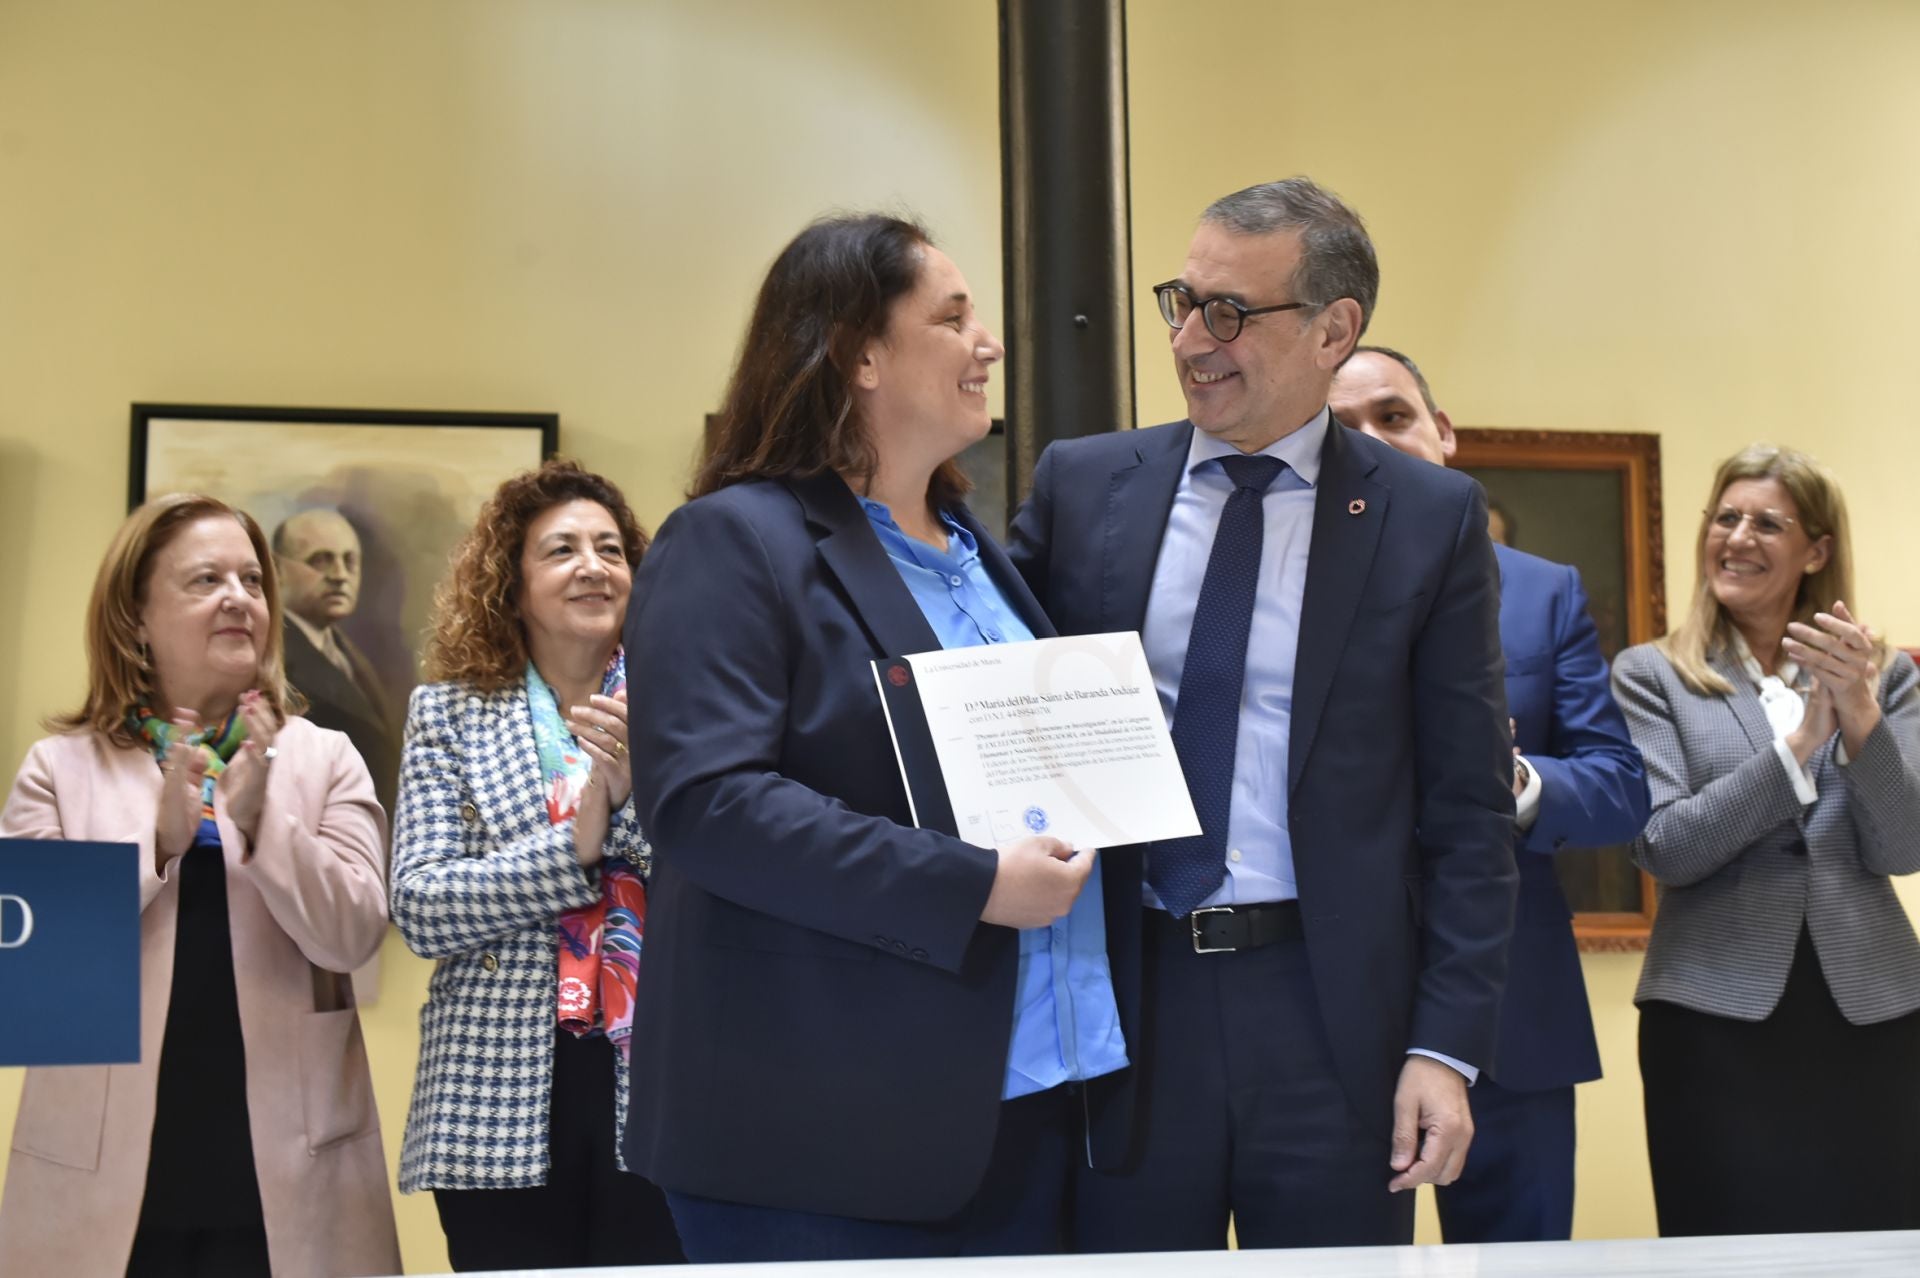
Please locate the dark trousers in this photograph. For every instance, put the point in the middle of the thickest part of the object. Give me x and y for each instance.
(1801, 1123)
(1018, 1211)
(589, 1212)
(1518, 1186)
(159, 1252)
(1244, 1115)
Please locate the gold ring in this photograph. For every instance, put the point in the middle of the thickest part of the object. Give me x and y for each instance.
(619, 748)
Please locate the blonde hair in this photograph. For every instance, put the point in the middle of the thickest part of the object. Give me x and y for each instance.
(1707, 630)
(119, 677)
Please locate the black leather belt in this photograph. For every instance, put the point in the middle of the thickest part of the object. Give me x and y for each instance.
(1217, 929)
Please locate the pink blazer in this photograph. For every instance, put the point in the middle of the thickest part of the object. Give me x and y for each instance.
(307, 903)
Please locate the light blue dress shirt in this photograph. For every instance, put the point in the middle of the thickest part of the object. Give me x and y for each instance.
(1066, 1024)
(1259, 844)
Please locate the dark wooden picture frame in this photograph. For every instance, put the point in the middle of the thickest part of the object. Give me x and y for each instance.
(1591, 500)
(546, 425)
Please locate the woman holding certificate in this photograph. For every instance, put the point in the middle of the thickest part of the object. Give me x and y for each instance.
(862, 1034)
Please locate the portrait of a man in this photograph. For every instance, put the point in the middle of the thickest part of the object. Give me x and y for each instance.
(317, 552)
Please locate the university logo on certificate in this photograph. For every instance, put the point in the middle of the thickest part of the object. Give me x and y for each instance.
(1053, 736)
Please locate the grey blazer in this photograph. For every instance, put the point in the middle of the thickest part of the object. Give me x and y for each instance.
(1741, 862)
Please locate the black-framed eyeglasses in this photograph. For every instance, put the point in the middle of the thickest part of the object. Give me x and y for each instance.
(1223, 316)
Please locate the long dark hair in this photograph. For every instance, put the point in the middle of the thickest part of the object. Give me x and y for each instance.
(789, 408)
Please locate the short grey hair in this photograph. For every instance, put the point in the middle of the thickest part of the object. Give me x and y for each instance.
(1336, 255)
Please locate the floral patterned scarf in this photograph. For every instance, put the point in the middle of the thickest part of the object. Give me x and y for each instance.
(599, 953)
(219, 743)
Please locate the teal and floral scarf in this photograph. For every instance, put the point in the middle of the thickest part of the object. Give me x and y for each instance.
(599, 952)
(220, 743)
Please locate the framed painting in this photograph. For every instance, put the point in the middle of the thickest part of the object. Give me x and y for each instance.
(362, 508)
(1593, 501)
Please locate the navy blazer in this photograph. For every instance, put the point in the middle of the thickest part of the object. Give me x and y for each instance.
(1399, 725)
(1593, 792)
(822, 1019)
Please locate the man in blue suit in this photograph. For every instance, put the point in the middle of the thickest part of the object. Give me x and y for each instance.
(1308, 986)
(1578, 782)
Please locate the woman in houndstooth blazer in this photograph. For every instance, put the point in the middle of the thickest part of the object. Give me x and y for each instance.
(512, 837)
(1779, 1030)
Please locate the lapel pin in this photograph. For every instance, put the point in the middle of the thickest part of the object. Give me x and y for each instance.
(1356, 507)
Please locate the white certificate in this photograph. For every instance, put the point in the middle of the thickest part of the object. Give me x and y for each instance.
(1055, 736)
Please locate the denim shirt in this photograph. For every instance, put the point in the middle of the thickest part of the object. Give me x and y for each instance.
(1066, 1025)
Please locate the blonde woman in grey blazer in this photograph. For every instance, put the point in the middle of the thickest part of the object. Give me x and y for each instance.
(1779, 1036)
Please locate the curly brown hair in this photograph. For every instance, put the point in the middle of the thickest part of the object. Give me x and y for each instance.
(477, 635)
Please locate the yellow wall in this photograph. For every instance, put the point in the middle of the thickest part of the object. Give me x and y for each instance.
(1694, 219)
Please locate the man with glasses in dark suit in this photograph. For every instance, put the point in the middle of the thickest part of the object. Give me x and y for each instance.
(1309, 986)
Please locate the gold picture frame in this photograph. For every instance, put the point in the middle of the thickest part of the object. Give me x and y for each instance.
(1591, 500)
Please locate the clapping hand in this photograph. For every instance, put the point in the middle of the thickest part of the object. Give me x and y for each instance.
(601, 729)
(1816, 725)
(182, 772)
(244, 783)
(1837, 651)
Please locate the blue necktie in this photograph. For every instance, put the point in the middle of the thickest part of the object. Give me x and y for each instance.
(1206, 719)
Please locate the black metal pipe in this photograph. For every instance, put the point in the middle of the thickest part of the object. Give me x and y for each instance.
(1065, 229)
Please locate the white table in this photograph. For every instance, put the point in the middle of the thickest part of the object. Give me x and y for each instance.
(1889, 1255)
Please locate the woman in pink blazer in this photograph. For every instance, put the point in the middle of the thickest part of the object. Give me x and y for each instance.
(245, 1139)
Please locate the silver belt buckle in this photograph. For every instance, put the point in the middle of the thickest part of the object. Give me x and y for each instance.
(1194, 920)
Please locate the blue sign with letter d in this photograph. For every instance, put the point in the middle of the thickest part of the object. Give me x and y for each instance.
(69, 953)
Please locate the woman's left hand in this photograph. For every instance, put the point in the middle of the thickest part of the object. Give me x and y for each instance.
(601, 730)
(245, 781)
(1838, 651)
